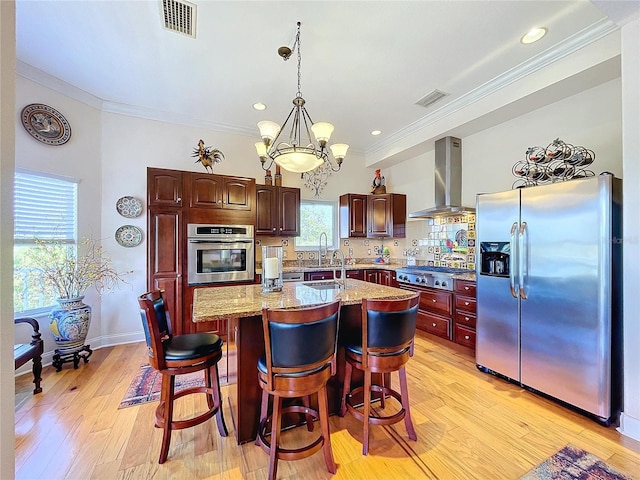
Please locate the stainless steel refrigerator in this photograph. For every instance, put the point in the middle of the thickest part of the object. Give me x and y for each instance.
(549, 285)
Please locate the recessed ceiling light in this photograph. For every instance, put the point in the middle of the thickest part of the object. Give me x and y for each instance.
(259, 106)
(534, 35)
(376, 132)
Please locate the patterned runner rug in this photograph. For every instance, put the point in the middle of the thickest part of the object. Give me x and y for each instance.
(574, 463)
(146, 385)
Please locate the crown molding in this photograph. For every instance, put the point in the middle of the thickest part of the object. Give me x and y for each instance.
(586, 36)
(175, 118)
(49, 81)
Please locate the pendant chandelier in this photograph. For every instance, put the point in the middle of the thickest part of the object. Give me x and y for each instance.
(298, 153)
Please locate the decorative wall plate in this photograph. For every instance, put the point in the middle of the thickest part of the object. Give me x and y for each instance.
(46, 124)
(129, 236)
(129, 207)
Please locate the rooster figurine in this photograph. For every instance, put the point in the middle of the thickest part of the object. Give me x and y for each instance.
(207, 156)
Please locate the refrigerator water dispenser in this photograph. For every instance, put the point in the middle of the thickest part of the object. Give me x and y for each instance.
(494, 258)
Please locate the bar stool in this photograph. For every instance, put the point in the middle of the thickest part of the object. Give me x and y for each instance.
(300, 357)
(176, 355)
(388, 328)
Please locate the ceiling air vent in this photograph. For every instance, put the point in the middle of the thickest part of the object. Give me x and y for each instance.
(431, 98)
(179, 17)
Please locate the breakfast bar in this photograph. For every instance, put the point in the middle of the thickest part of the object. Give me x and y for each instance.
(245, 303)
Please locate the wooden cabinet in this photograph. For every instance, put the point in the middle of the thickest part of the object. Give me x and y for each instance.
(165, 265)
(207, 199)
(277, 211)
(318, 275)
(164, 188)
(386, 215)
(353, 215)
(465, 313)
(218, 191)
(373, 216)
(435, 311)
(381, 277)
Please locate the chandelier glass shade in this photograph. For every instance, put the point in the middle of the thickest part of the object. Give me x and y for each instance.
(292, 145)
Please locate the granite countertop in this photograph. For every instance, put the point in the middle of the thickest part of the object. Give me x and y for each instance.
(215, 303)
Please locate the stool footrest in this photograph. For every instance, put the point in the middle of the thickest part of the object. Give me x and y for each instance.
(294, 453)
(190, 422)
(376, 419)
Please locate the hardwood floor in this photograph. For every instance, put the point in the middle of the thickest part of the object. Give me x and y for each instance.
(470, 426)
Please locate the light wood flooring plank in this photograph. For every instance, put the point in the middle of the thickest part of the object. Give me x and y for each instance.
(470, 425)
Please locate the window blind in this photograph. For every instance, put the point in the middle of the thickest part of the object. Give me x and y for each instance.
(45, 208)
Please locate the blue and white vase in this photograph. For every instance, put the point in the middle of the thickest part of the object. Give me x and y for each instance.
(69, 324)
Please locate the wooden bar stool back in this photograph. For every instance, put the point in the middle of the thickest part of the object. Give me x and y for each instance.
(176, 355)
(300, 357)
(388, 329)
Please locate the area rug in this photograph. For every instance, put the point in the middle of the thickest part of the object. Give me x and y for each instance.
(146, 385)
(574, 463)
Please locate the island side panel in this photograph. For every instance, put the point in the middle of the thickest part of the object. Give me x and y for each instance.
(250, 346)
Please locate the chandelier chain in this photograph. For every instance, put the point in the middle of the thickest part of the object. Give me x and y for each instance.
(299, 60)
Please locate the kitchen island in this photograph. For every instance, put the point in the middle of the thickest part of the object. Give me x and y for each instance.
(245, 302)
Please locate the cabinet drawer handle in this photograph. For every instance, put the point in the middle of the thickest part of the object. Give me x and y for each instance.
(466, 319)
(433, 324)
(178, 200)
(466, 288)
(434, 300)
(466, 303)
(466, 337)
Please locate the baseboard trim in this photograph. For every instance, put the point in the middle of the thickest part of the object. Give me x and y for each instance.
(629, 426)
(96, 343)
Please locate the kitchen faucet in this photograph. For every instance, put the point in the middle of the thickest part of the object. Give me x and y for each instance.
(320, 250)
(343, 277)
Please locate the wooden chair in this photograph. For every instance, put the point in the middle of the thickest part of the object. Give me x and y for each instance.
(388, 329)
(176, 355)
(300, 358)
(23, 352)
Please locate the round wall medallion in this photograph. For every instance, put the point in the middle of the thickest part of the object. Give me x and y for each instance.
(46, 124)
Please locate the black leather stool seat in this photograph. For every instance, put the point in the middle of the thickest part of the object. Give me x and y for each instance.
(357, 350)
(191, 345)
(262, 368)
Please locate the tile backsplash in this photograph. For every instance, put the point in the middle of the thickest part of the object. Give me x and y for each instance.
(443, 241)
(450, 241)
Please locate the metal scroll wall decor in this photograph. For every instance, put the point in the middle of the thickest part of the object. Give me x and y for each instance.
(558, 162)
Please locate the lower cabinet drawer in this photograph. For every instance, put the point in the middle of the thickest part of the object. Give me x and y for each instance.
(465, 336)
(465, 318)
(433, 324)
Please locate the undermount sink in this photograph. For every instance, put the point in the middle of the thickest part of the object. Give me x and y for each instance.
(325, 285)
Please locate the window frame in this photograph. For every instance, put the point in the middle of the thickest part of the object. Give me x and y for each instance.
(335, 227)
(69, 235)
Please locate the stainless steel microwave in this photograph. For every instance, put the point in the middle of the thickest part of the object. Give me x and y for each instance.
(220, 253)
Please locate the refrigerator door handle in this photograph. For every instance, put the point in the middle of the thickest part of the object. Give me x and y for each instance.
(522, 259)
(512, 260)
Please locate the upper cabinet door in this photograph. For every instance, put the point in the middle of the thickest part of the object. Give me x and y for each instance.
(379, 216)
(266, 210)
(289, 211)
(353, 215)
(238, 193)
(164, 188)
(205, 190)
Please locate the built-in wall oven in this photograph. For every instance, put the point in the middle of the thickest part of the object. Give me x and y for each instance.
(220, 253)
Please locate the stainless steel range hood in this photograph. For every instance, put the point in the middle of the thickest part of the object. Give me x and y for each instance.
(448, 180)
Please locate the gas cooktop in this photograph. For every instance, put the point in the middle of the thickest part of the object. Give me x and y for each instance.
(430, 269)
(427, 276)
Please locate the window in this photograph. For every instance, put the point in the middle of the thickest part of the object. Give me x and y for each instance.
(317, 216)
(45, 208)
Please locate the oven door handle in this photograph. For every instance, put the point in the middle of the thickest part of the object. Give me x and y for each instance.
(222, 242)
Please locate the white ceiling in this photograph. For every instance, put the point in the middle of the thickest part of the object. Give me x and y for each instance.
(364, 64)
